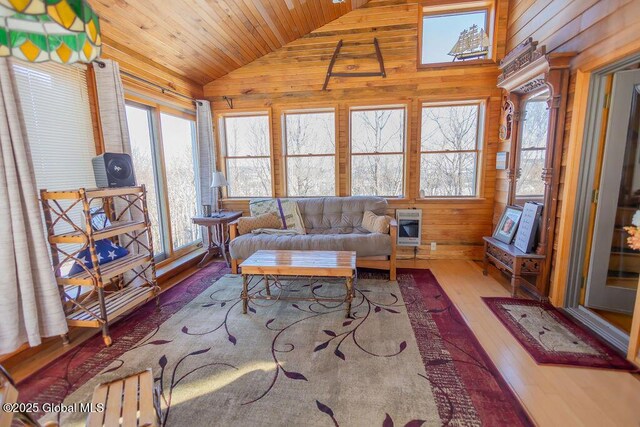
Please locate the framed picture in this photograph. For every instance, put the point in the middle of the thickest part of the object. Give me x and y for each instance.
(508, 224)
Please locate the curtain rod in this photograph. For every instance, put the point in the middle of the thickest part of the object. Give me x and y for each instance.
(162, 88)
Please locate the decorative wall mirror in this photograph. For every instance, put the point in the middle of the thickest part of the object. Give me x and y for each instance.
(531, 148)
(536, 84)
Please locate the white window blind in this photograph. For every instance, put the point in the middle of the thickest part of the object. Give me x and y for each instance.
(55, 104)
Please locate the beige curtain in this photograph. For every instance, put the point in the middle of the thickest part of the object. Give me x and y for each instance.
(206, 152)
(30, 306)
(113, 114)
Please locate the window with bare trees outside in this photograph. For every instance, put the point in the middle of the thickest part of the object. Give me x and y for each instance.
(166, 163)
(310, 153)
(377, 151)
(450, 145)
(247, 155)
(533, 147)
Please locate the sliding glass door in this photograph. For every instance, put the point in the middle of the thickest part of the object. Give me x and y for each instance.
(178, 138)
(164, 156)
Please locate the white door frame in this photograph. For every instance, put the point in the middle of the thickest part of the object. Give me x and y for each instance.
(598, 294)
(580, 232)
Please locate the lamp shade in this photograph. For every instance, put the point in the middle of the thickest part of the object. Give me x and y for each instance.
(64, 31)
(218, 180)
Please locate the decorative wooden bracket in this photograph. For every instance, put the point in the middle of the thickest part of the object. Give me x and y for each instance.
(330, 72)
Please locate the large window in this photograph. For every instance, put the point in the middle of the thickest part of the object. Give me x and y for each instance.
(164, 156)
(450, 144)
(377, 151)
(310, 153)
(247, 152)
(533, 147)
(456, 35)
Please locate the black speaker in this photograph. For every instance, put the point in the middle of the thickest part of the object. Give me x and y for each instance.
(114, 170)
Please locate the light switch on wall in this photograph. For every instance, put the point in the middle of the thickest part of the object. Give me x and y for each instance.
(433, 246)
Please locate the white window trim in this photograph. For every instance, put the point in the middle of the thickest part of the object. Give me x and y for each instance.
(455, 9)
(222, 135)
(480, 136)
(286, 155)
(405, 109)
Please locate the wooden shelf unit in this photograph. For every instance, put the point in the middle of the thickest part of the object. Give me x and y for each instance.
(97, 296)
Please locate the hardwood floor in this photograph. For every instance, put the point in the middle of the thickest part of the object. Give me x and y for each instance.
(553, 395)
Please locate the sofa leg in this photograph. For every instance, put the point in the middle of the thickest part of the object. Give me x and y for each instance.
(392, 273)
(234, 266)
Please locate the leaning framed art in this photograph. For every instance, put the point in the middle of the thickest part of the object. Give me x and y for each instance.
(508, 224)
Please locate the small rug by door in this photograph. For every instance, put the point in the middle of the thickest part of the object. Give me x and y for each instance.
(404, 358)
(550, 337)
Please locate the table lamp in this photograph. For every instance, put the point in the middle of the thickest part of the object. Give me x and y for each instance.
(218, 182)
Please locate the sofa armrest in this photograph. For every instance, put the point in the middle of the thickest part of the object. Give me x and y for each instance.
(233, 229)
(393, 232)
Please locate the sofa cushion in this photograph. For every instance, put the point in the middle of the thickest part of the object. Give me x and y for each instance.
(338, 214)
(376, 223)
(246, 224)
(365, 244)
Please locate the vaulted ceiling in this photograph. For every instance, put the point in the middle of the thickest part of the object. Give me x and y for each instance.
(202, 40)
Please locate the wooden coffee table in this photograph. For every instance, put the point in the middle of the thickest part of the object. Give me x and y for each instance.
(278, 263)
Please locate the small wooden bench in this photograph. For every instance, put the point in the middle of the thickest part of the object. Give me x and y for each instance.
(132, 401)
(513, 261)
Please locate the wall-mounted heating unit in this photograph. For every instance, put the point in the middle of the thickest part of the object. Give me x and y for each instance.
(409, 226)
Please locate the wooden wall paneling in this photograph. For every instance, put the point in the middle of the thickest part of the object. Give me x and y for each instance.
(96, 123)
(136, 64)
(292, 77)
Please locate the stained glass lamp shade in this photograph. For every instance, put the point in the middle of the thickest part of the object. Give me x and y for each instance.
(64, 31)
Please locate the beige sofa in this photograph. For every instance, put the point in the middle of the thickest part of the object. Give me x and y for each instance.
(331, 223)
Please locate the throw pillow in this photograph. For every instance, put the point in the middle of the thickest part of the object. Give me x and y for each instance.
(107, 252)
(376, 223)
(246, 224)
(286, 209)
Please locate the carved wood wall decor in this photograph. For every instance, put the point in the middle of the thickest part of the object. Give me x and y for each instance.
(506, 121)
(528, 70)
(335, 55)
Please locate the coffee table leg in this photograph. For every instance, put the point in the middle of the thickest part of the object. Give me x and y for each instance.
(245, 294)
(349, 285)
(266, 285)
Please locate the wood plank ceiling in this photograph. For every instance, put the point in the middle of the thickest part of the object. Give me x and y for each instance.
(202, 40)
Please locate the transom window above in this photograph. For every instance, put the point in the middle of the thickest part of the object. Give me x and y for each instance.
(310, 153)
(450, 145)
(247, 154)
(455, 35)
(377, 151)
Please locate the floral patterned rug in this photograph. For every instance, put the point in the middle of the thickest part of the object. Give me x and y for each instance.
(405, 357)
(552, 338)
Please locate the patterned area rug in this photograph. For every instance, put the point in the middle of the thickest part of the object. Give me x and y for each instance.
(405, 358)
(551, 337)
